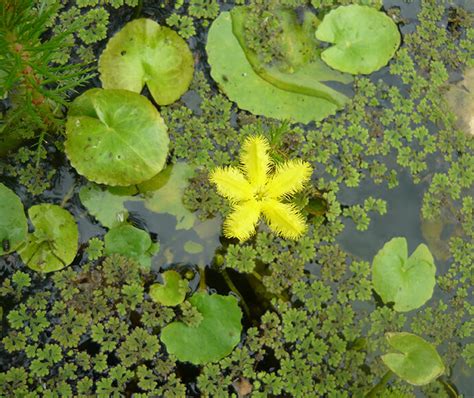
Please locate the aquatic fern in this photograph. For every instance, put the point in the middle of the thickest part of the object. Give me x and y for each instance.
(254, 190)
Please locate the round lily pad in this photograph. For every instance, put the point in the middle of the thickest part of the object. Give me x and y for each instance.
(417, 361)
(131, 242)
(172, 292)
(115, 137)
(214, 338)
(53, 244)
(406, 281)
(13, 223)
(144, 52)
(297, 97)
(364, 39)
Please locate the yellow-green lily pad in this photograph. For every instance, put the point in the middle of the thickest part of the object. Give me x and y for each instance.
(266, 90)
(216, 335)
(13, 223)
(408, 282)
(53, 244)
(115, 137)
(145, 53)
(416, 361)
(364, 39)
(172, 292)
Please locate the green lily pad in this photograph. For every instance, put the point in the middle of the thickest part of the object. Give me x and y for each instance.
(214, 338)
(131, 242)
(145, 53)
(13, 223)
(406, 281)
(417, 361)
(299, 95)
(115, 137)
(164, 193)
(106, 204)
(53, 244)
(172, 292)
(364, 39)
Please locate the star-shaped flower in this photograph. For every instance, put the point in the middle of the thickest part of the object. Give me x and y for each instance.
(254, 190)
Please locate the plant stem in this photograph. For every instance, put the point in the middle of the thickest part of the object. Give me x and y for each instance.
(232, 287)
(380, 385)
(202, 279)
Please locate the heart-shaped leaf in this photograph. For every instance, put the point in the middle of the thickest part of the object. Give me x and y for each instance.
(172, 292)
(364, 39)
(13, 223)
(417, 361)
(265, 90)
(216, 335)
(53, 244)
(115, 137)
(408, 282)
(144, 52)
(131, 242)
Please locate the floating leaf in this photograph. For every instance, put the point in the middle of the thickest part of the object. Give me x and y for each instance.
(13, 223)
(131, 242)
(165, 193)
(406, 281)
(115, 137)
(417, 361)
(214, 338)
(364, 39)
(145, 53)
(53, 244)
(300, 96)
(172, 292)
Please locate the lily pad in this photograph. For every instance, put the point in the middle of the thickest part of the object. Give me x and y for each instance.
(13, 223)
(145, 53)
(131, 242)
(406, 281)
(364, 39)
(53, 244)
(417, 361)
(164, 193)
(214, 338)
(172, 292)
(115, 137)
(264, 90)
(193, 247)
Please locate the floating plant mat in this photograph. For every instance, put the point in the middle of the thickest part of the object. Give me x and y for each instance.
(301, 96)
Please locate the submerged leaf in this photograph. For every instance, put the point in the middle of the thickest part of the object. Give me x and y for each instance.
(115, 137)
(416, 361)
(406, 281)
(299, 96)
(53, 244)
(364, 39)
(172, 292)
(13, 223)
(216, 335)
(145, 53)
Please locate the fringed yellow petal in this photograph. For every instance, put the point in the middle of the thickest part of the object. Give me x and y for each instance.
(255, 159)
(231, 183)
(284, 219)
(289, 178)
(242, 221)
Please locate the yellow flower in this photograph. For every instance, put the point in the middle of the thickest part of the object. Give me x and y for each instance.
(253, 190)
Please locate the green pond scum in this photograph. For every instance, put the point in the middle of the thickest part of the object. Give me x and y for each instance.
(260, 198)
